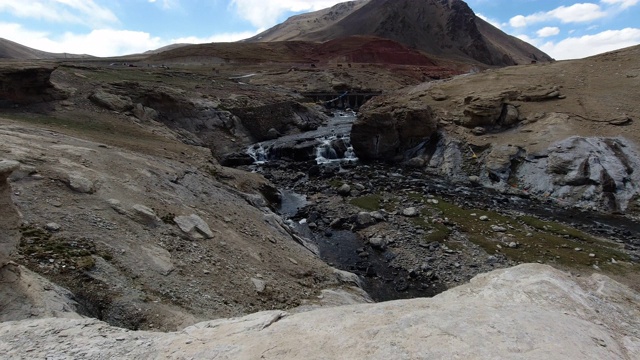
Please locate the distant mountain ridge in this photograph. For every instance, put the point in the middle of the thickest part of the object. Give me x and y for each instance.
(446, 28)
(13, 50)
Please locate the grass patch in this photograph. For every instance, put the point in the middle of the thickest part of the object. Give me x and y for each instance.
(41, 247)
(551, 242)
(368, 202)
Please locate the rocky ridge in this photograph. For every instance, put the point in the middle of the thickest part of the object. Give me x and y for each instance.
(529, 311)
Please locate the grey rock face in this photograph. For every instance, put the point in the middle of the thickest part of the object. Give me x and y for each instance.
(587, 172)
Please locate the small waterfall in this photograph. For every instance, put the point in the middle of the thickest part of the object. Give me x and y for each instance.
(335, 149)
(258, 153)
(329, 143)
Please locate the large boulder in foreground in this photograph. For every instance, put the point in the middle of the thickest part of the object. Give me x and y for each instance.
(530, 311)
(386, 131)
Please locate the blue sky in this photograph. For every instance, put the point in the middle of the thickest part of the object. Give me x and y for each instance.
(564, 29)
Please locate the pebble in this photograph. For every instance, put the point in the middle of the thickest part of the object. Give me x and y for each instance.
(53, 226)
(592, 255)
(497, 228)
(513, 245)
(484, 218)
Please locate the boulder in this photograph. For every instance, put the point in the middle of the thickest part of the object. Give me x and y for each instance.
(480, 112)
(111, 101)
(81, 184)
(194, 226)
(386, 132)
(145, 215)
(6, 168)
(344, 190)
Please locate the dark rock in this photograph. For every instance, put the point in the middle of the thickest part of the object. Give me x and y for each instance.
(236, 159)
(29, 84)
(384, 132)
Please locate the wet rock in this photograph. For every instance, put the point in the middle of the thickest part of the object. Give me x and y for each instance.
(236, 159)
(273, 134)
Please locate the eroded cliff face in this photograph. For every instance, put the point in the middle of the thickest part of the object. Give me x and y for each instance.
(27, 84)
(564, 131)
(530, 311)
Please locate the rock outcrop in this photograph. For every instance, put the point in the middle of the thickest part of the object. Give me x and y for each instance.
(386, 131)
(27, 84)
(528, 312)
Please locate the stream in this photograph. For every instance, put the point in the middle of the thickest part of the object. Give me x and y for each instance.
(323, 156)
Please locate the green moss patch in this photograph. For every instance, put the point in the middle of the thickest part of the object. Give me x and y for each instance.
(368, 202)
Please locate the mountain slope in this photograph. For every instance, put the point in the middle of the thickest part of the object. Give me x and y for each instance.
(447, 28)
(13, 50)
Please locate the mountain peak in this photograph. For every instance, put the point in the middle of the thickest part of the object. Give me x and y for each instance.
(446, 28)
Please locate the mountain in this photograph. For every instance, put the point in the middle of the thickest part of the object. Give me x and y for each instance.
(445, 28)
(13, 50)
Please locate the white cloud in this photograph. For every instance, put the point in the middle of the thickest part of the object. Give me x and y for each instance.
(223, 37)
(166, 4)
(579, 47)
(85, 12)
(622, 3)
(105, 42)
(576, 13)
(548, 31)
(265, 13)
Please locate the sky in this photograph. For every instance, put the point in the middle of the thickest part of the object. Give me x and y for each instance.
(564, 29)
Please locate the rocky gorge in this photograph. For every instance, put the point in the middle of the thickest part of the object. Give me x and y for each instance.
(230, 201)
